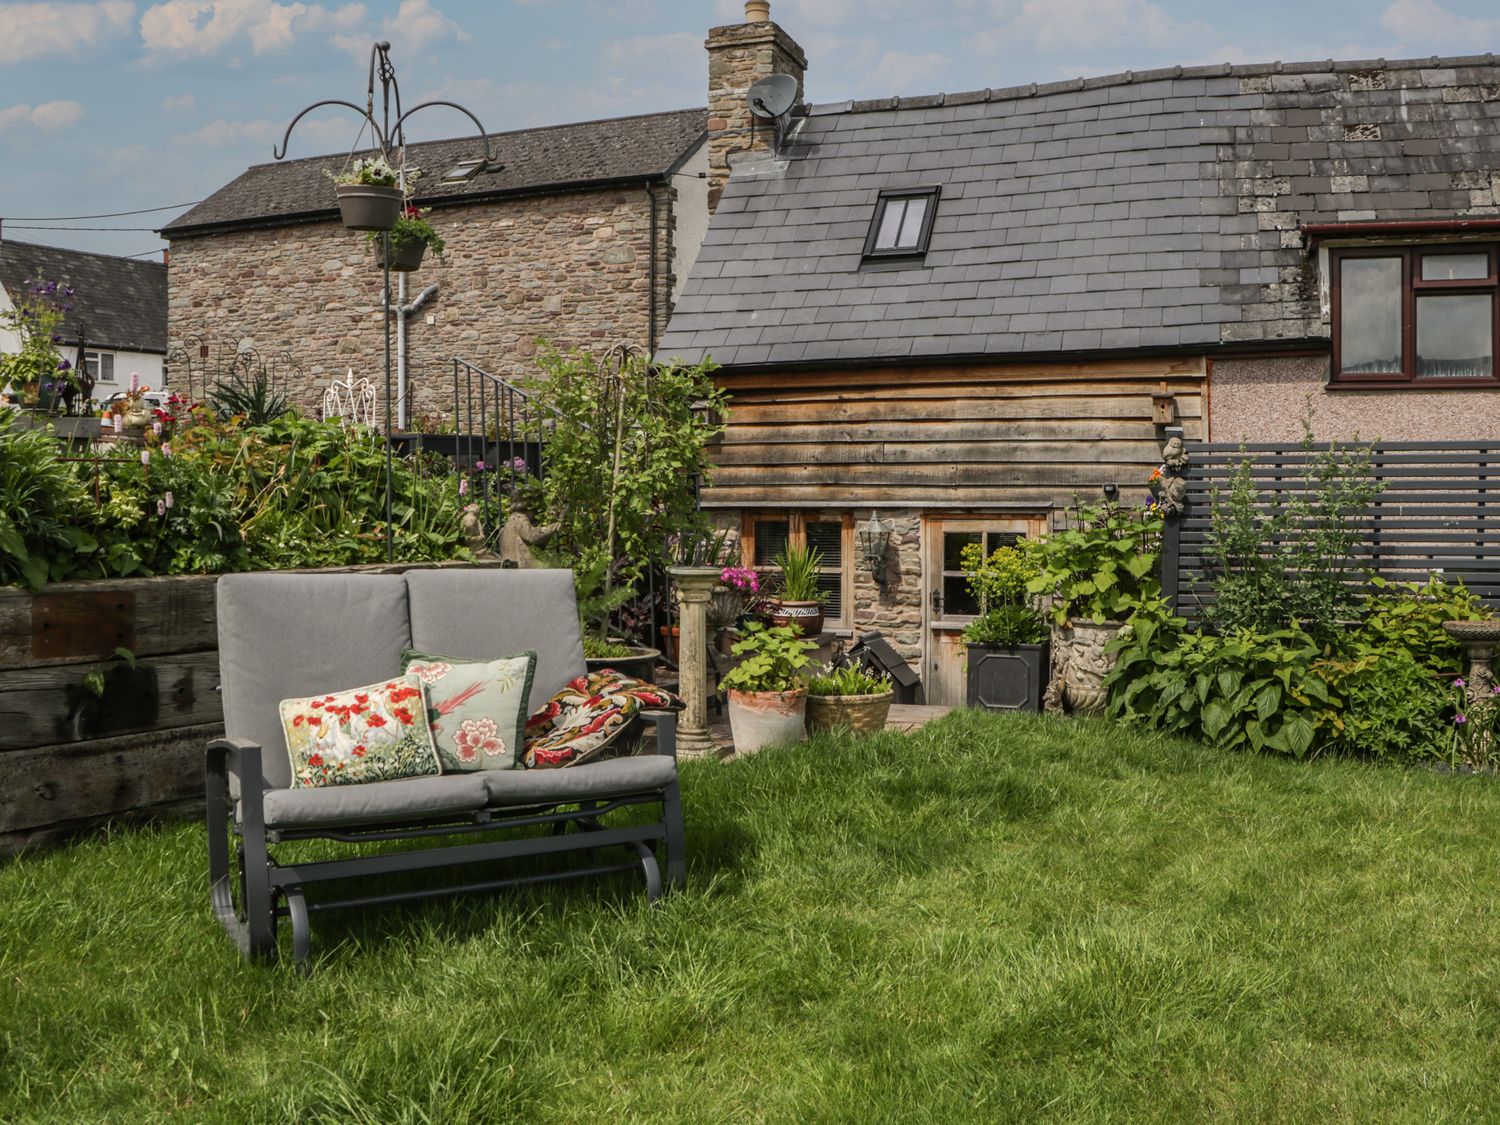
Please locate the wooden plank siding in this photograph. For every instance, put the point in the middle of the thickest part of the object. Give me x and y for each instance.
(990, 436)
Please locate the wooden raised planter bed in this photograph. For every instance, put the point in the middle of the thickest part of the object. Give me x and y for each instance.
(70, 759)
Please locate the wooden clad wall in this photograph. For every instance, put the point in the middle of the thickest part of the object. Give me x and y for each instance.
(948, 437)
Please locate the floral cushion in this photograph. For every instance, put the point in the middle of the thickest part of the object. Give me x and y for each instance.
(477, 708)
(374, 733)
(591, 714)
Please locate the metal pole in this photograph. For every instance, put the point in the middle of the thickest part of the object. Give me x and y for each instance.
(390, 544)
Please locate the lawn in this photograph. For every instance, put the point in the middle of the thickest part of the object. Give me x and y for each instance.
(991, 919)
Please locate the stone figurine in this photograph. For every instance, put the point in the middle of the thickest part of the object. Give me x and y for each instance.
(1172, 495)
(518, 538)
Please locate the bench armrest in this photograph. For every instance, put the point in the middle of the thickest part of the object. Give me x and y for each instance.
(666, 731)
(237, 758)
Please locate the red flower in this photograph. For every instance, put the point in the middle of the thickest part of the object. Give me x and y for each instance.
(315, 704)
(376, 721)
(362, 697)
(297, 722)
(315, 760)
(359, 751)
(403, 713)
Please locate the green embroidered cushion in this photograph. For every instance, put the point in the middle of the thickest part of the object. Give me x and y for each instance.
(374, 733)
(477, 708)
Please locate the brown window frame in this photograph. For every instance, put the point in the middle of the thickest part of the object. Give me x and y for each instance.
(1412, 286)
(797, 521)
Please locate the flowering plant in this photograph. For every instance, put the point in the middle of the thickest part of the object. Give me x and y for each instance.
(740, 578)
(37, 319)
(372, 170)
(1476, 725)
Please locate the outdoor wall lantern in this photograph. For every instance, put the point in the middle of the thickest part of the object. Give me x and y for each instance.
(874, 538)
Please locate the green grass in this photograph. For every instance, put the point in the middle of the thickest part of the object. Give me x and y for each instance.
(992, 919)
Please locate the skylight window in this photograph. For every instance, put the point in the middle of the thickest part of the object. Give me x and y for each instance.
(462, 171)
(902, 223)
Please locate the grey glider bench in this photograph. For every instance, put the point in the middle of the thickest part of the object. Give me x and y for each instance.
(286, 635)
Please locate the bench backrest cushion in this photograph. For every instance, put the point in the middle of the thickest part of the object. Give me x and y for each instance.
(489, 612)
(285, 636)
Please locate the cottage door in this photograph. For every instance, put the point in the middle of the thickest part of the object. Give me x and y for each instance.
(948, 605)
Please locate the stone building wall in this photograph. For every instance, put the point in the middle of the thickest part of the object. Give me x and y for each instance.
(739, 56)
(573, 269)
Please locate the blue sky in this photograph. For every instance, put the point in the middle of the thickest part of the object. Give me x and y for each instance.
(113, 105)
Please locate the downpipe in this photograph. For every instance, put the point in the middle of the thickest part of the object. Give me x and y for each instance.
(403, 310)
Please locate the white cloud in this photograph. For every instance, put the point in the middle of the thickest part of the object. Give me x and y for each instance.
(901, 72)
(1428, 22)
(179, 101)
(1082, 24)
(420, 24)
(35, 31)
(46, 117)
(222, 133)
(201, 27)
(659, 52)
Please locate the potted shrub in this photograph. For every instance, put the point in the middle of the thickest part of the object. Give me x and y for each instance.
(597, 601)
(848, 698)
(1007, 642)
(410, 239)
(767, 699)
(798, 599)
(1097, 574)
(368, 196)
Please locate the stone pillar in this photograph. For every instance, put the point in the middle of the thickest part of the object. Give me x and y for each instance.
(695, 586)
(739, 56)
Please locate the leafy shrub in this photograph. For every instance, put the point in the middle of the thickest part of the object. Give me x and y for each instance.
(1103, 569)
(1393, 706)
(1007, 612)
(799, 574)
(1408, 617)
(1007, 625)
(851, 679)
(773, 658)
(41, 504)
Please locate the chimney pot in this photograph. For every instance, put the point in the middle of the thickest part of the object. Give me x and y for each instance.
(757, 11)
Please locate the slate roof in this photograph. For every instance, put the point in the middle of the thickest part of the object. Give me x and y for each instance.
(1152, 210)
(120, 302)
(559, 157)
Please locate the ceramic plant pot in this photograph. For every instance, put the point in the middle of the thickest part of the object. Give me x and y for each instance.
(766, 718)
(368, 206)
(808, 616)
(1080, 660)
(862, 714)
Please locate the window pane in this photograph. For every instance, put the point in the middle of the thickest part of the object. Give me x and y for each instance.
(833, 586)
(1370, 315)
(1454, 335)
(954, 543)
(106, 367)
(957, 601)
(993, 540)
(827, 538)
(911, 226)
(1455, 267)
(770, 540)
(890, 224)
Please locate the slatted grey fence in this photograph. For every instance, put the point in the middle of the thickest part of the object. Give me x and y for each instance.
(1439, 511)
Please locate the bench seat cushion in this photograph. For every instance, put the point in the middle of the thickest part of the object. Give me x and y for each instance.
(411, 798)
(596, 779)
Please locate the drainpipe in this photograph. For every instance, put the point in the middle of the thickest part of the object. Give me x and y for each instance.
(651, 298)
(403, 310)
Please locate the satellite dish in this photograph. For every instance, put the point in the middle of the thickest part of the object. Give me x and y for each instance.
(771, 98)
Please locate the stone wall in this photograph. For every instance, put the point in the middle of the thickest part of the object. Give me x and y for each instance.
(571, 268)
(1264, 399)
(739, 56)
(896, 611)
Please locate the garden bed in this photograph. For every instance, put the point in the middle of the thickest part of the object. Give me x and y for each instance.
(993, 918)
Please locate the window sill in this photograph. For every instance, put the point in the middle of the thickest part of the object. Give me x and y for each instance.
(1429, 384)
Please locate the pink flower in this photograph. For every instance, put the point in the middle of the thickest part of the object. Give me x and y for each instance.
(156, 428)
(167, 499)
(161, 507)
(1460, 682)
(1460, 719)
(479, 736)
(431, 673)
(166, 449)
(135, 381)
(145, 457)
(463, 487)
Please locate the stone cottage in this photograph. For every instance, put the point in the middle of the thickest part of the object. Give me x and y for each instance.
(119, 309)
(581, 237)
(961, 310)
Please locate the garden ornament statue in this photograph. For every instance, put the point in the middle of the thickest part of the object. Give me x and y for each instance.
(519, 536)
(1173, 495)
(473, 530)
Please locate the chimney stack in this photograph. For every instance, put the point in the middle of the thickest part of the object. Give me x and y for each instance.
(739, 56)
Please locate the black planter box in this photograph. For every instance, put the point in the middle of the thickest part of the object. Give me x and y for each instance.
(1007, 679)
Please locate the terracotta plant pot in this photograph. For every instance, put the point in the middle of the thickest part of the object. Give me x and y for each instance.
(807, 615)
(368, 206)
(406, 257)
(671, 639)
(860, 713)
(766, 718)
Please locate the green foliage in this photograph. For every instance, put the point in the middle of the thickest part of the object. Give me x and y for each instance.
(799, 574)
(410, 228)
(1242, 691)
(1408, 617)
(597, 597)
(1393, 706)
(1474, 732)
(851, 679)
(249, 395)
(42, 504)
(653, 417)
(1102, 569)
(36, 319)
(596, 648)
(1287, 559)
(772, 659)
(1007, 625)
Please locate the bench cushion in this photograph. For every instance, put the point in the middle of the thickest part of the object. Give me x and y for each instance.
(480, 614)
(412, 798)
(597, 779)
(477, 708)
(284, 635)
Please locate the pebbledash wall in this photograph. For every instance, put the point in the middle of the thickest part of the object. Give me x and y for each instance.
(573, 268)
(1265, 398)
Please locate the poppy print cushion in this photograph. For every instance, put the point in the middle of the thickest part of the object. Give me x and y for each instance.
(374, 733)
(476, 708)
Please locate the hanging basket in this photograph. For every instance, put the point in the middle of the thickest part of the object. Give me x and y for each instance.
(405, 256)
(368, 206)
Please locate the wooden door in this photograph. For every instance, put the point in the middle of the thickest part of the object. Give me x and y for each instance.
(948, 605)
